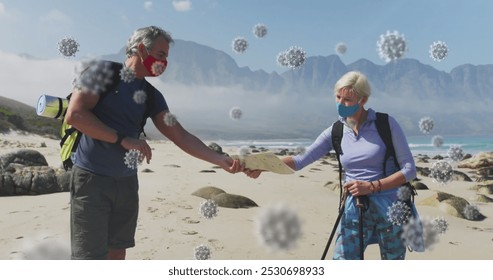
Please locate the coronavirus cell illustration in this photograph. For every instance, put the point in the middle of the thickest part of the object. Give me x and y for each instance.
(282, 59)
(279, 227)
(68, 46)
(426, 125)
(455, 153)
(404, 193)
(295, 56)
(202, 252)
(240, 44)
(93, 76)
(127, 74)
(420, 234)
(235, 113)
(140, 96)
(441, 171)
(133, 158)
(471, 212)
(391, 46)
(208, 209)
(438, 51)
(437, 141)
(341, 48)
(398, 213)
(260, 30)
(440, 224)
(170, 119)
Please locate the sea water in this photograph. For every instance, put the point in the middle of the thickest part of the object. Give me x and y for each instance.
(420, 144)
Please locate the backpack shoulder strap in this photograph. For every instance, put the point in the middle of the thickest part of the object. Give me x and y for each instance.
(337, 132)
(150, 93)
(383, 128)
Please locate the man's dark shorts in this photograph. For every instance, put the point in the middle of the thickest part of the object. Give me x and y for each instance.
(104, 213)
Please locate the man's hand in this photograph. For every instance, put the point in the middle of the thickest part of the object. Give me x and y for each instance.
(138, 144)
(232, 165)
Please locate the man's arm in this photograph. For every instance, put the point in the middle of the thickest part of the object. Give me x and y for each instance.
(79, 115)
(190, 144)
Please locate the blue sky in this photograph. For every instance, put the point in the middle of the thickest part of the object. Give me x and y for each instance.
(103, 27)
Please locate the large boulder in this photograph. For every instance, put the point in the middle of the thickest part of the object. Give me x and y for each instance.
(26, 172)
(453, 205)
(484, 159)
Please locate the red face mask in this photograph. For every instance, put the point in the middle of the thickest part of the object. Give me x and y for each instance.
(155, 66)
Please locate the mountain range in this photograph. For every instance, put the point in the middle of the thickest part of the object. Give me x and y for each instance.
(459, 101)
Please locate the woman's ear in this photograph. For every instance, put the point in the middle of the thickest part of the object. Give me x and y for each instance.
(364, 100)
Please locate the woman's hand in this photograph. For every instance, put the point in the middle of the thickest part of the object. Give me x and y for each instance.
(253, 173)
(358, 188)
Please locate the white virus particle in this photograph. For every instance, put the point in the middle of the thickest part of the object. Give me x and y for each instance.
(282, 60)
(235, 113)
(208, 209)
(420, 234)
(441, 171)
(68, 46)
(295, 57)
(437, 141)
(202, 252)
(260, 30)
(170, 119)
(299, 150)
(404, 193)
(438, 51)
(279, 228)
(391, 46)
(45, 249)
(133, 158)
(426, 125)
(158, 67)
(240, 44)
(455, 153)
(93, 76)
(243, 151)
(140, 96)
(440, 224)
(127, 74)
(341, 48)
(471, 212)
(398, 213)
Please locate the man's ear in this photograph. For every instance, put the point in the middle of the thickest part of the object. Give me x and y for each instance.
(140, 49)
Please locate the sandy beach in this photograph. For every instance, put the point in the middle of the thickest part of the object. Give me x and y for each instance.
(170, 225)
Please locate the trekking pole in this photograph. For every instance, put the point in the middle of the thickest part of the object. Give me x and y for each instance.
(341, 211)
(360, 203)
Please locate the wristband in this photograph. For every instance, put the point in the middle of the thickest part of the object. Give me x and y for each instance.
(119, 138)
(379, 186)
(372, 187)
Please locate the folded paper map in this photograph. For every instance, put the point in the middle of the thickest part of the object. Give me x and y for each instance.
(264, 161)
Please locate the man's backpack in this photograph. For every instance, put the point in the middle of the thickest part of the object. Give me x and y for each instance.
(383, 128)
(70, 136)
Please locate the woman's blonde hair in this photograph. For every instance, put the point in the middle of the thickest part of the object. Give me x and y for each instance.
(354, 81)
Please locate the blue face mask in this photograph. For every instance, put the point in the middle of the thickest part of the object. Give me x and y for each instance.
(347, 111)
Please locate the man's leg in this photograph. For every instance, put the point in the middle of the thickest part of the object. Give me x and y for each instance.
(116, 254)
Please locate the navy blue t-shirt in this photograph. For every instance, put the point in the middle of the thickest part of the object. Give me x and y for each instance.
(118, 110)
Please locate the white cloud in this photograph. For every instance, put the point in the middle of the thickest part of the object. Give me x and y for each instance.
(2, 9)
(182, 5)
(148, 5)
(55, 17)
(25, 80)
